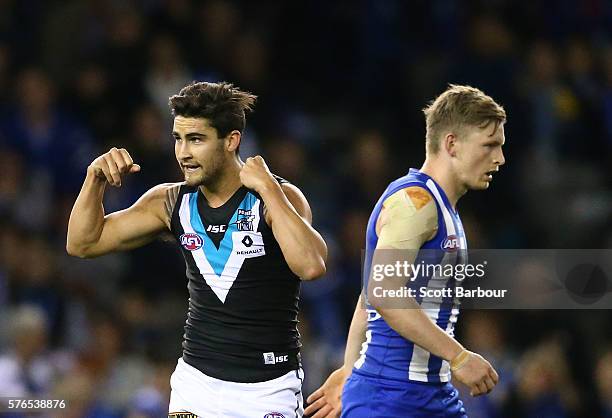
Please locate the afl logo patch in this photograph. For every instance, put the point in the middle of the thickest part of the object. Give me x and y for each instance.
(191, 241)
(450, 244)
(274, 415)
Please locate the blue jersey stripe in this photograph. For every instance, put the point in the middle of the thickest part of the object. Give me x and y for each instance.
(217, 257)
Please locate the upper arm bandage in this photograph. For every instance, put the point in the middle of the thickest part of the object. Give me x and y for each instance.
(409, 219)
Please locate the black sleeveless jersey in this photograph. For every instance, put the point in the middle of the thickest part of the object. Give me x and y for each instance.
(243, 298)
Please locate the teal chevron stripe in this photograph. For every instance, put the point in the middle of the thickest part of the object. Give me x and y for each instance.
(217, 257)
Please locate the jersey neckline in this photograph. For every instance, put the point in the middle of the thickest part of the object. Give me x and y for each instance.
(424, 178)
(237, 196)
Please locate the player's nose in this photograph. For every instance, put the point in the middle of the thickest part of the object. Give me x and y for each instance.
(500, 159)
(183, 151)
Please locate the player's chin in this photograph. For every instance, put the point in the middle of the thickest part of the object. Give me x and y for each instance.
(480, 185)
(192, 180)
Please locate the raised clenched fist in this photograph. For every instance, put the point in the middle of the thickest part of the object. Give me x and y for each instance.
(255, 174)
(112, 165)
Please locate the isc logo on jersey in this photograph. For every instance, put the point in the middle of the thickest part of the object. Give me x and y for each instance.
(274, 415)
(450, 244)
(191, 241)
(215, 229)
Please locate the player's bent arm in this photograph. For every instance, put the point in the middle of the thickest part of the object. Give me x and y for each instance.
(414, 325)
(289, 216)
(467, 367)
(407, 221)
(91, 233)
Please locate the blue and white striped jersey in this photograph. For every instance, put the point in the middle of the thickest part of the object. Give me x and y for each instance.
(386, 354)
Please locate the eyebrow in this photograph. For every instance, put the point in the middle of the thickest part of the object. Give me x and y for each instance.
(495, 141)
(189, 135)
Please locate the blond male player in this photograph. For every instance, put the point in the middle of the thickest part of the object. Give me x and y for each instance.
(408, 356)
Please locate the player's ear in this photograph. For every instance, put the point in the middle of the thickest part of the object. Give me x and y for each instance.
(232, 142)
(450, 144)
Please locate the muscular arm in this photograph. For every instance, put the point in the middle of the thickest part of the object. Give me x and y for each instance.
(407, 221)
(91, 233)
(289, 215)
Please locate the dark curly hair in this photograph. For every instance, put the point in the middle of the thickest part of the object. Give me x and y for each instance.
(221, 103)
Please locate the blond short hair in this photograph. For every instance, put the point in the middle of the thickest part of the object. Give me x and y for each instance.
(457, 108)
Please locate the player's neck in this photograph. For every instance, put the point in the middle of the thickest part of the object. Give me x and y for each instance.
(445, 179)
(224, 186)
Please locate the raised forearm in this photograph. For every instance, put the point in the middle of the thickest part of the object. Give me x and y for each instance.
(303, 247)
(87, 216)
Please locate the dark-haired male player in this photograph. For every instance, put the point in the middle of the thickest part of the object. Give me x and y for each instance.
(247, 241)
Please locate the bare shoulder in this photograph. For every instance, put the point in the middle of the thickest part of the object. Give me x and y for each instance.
(161, 200)
(298, 200)
(161, 191)
(292, 191)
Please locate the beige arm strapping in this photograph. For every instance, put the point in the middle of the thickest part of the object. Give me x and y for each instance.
(408, 219)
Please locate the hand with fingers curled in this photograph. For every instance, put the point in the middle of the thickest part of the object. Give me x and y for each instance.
(475, 372)
(326, 402)
(113, 165)
(255, 174)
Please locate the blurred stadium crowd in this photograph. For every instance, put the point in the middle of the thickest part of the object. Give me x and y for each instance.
(340, 88)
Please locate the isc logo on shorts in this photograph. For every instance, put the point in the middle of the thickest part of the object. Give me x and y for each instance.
(450, 244)
(271, 358)
(191, 241)
(274, 415)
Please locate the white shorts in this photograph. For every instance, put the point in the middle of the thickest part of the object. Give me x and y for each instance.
(206, 397)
